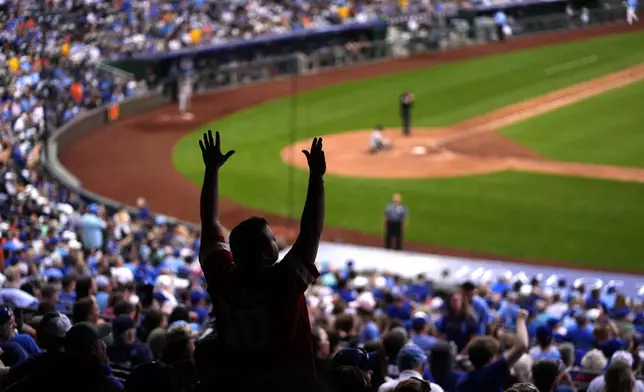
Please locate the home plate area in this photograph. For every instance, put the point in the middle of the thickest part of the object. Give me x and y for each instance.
(425, 153)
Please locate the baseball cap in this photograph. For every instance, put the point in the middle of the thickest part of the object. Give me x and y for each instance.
(623, 356)
(5, 314)
(419, 321)
(544, 332)
(53, 324)
(356, 357)
(122, 323)
(80, 338)
(365, 301)
(411, 356)
(180, 330)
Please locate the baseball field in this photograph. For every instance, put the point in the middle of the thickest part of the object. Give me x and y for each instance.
(529, 151)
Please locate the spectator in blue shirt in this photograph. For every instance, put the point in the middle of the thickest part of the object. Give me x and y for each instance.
(420, 333)
(50, 330)
(492, 372)
(508, 311)
(581, 334)
(198, 301)
(85, 366)
(68, 294)
(400, 308)
(9, 333)
(545, 348)
(479, 305)
(126, 350)
(12, 354)
(458, 324)
(93, 227)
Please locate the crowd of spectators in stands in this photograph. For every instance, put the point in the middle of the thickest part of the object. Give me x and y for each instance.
(371, 331)
(112, 28)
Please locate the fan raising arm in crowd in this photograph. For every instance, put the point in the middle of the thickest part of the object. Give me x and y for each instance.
(211, 231)
(305, 248)
(259, 304)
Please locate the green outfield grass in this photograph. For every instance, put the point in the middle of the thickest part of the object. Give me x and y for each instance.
(589, 222)
(607, 129)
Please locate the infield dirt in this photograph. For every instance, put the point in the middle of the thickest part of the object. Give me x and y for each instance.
(133, 157)
(470, 147)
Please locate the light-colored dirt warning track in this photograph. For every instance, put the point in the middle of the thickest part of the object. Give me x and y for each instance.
(470, 147)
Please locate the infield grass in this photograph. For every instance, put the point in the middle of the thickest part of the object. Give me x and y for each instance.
(584, 221)
(606, 129)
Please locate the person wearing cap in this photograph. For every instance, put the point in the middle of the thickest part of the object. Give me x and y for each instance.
(491, 372)
(478, 304)
(365, 305)
(84, 368)
(441, 366)
(357, 358)
(50, 333)
(198, 302)
(126, 351)
(177, 360)
(8, 332)
(395, 220)
(420, 328)
(400, 308)
(411, 362)
(624, 358)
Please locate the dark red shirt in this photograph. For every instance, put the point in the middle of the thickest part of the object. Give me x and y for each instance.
(261, 314)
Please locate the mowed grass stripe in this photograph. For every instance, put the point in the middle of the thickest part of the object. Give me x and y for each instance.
(606, 129)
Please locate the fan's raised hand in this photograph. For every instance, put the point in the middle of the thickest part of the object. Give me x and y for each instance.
(211, 151)
(315, 157)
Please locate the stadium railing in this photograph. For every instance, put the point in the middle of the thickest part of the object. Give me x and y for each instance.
(216, 75)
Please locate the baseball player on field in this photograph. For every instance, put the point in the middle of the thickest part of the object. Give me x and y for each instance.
(631, 14)
(185, 96)
(377, 141)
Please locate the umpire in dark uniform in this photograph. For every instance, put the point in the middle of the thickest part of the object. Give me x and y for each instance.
(395, 220)
(406, 104)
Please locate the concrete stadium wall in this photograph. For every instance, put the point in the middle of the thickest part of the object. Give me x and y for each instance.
(88, 122)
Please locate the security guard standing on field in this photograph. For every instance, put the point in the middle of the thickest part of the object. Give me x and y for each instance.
(395, 220)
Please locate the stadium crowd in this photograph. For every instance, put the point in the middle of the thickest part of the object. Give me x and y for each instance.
(94, 300)
(114, 28)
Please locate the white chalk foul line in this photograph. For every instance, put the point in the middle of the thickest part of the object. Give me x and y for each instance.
(568, 65)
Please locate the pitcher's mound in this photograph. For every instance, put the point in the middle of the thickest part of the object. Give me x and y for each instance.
(423, 154)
